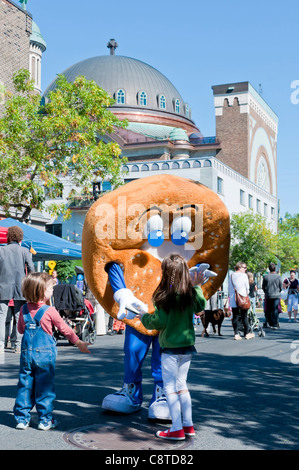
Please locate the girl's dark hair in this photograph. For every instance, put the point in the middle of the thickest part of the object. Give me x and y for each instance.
(175, 287)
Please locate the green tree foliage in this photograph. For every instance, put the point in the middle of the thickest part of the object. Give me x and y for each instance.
(288, 242)
(41, 143)
(252, 242)
(66, 270)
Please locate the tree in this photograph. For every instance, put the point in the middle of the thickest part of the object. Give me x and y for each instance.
(66, 270)
(42, 142)
(288, 242)
(252, 242)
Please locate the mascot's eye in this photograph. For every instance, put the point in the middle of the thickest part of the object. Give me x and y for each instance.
(153, 230)
(180, 228)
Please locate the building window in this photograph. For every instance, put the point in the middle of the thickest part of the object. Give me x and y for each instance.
(187, 110)
(162, 102)
(196, 164)
(135, 168)
(242, 197)
(165, 166)
(120, 97)
(265, 209)
(272, 212)
(219, 185)
(186, 165)
(142, 98)
(54, 229)
(258, 206)
(155, 166)
(207, 163)
(177, 105)
(144, 167)
(250, 201)
(175, 165)
(106, 186)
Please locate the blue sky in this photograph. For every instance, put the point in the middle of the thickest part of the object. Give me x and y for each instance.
(195, 45)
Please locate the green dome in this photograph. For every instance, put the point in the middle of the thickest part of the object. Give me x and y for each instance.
(178, 134)
(36, 37)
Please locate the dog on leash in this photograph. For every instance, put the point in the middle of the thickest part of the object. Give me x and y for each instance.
(215, 317)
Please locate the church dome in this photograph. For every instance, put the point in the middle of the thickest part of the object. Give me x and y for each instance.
(37, 38)
(141, 92)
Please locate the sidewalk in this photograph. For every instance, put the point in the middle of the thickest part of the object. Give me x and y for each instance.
(244, 395)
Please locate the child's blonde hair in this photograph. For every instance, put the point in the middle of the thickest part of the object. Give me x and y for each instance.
(34, 286)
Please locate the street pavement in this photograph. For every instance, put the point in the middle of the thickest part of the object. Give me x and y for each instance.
(244, 395)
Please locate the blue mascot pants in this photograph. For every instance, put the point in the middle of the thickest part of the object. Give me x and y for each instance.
(136, 344)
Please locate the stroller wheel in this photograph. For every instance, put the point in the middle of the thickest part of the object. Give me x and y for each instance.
(85, 336)
(92, 337)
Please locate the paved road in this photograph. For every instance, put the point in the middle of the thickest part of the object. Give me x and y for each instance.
(244, 393)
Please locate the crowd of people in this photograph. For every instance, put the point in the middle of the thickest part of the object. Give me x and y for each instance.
(176, 300)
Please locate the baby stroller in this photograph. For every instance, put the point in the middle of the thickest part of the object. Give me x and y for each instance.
(76, 311)
(253, 322)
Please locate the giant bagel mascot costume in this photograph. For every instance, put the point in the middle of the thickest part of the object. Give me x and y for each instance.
(126, 234)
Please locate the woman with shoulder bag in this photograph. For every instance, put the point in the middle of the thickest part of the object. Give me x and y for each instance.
(239, 300)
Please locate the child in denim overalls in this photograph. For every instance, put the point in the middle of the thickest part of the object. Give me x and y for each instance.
(38, 352)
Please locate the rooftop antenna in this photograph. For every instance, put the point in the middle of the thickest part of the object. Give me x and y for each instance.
(260, 89)
(112, 45)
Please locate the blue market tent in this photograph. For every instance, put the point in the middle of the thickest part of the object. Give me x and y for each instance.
(46, 245)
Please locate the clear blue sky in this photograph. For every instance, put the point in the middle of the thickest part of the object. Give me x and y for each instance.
(196, 45)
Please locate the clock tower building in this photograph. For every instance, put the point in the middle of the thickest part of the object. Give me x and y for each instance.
(247, 128)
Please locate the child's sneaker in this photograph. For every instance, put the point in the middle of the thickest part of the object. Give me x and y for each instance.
(22, 425)
(48, 425)
(189, 431)
(171, 435)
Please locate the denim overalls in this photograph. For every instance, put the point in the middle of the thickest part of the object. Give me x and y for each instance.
(37, 370)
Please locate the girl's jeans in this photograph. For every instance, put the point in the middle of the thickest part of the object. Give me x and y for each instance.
(37, 375)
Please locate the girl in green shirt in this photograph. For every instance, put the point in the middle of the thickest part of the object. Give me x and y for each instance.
(176, 300)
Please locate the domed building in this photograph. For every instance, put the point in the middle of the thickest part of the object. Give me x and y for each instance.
(239, 163)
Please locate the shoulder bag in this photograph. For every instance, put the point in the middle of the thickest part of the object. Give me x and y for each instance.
(242, 301)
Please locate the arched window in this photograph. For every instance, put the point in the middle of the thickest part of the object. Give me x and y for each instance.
(165, 166)
(207, 163)
(175, 165)
(186, 165)
(177, 105)
(144, 167)
(135, 168)
(120, 97)
(196, 164)
(162, 102)
(142, 98)
(155, 166)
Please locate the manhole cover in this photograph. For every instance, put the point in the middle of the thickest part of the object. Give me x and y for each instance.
(113, 437)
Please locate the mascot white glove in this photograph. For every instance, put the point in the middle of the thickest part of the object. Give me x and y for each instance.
(126, 300)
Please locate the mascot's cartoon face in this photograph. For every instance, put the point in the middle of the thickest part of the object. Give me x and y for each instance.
(140, 223)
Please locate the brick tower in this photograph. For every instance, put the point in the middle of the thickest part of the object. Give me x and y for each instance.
(247, 130)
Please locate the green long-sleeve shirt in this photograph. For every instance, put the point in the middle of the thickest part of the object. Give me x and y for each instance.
(176, 327)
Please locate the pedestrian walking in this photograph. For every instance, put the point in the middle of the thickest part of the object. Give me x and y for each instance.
(292, 284)
(252, 291)
(238, 283)
(176, 300)
(36, 384)
(272, 286)
(15, 262)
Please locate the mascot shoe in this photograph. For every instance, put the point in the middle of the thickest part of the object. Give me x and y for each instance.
(122, 401)
(158, 408)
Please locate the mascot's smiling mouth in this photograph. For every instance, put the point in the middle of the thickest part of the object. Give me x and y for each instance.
(167, 248)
